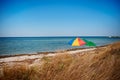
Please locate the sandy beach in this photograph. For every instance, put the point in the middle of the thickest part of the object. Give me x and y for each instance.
(101, 58)
(14, 58)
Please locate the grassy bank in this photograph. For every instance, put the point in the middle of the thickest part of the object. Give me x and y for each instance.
(100, 64)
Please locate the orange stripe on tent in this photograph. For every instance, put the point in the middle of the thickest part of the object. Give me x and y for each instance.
(81, 42)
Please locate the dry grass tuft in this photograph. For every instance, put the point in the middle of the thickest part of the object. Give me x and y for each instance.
(15, 72)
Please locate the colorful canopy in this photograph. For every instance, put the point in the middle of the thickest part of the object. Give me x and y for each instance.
(77, 42)
(80, 42)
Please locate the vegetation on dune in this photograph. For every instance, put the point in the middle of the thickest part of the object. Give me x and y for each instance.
(101, 64)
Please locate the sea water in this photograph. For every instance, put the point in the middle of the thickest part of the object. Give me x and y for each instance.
(27, 45)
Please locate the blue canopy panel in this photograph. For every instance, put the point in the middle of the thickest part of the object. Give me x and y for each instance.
(71, 41)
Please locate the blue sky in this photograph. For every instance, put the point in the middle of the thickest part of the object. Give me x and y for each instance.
(59, 18)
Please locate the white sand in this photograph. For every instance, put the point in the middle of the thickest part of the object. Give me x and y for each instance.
(39, 56)
(78, 51)
(20, 58)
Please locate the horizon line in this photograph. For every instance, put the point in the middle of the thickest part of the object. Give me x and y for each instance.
(58, 36)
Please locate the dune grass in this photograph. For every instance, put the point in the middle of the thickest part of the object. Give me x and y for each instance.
(102, 64)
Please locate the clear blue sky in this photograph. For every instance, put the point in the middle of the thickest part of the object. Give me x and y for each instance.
(59, 18)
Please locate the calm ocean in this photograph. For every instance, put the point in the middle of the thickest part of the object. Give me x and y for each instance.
(25, 45)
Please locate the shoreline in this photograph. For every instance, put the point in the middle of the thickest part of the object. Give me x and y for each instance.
(39, 55)
(18, 58)
(47, 52)
(105, 59)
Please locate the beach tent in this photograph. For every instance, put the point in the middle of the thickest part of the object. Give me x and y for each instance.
(77, 42)
(80, 42)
